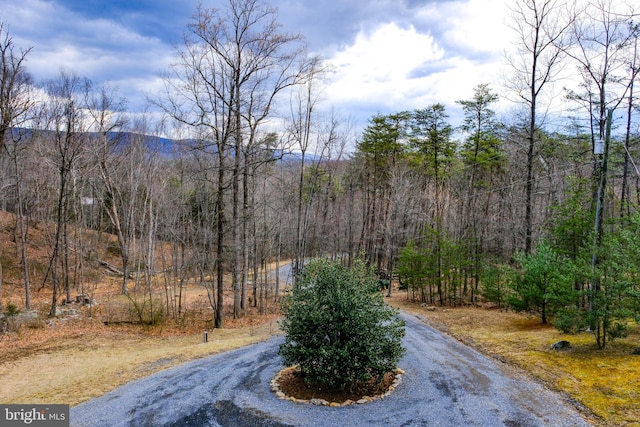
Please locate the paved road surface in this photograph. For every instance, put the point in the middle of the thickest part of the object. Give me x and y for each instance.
(446, 384)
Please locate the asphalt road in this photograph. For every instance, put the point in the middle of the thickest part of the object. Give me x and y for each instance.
(445, 384)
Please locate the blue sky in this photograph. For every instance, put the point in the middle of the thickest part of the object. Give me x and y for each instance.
(389, 55)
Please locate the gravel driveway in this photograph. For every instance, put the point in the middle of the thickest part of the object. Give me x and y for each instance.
(446, 384)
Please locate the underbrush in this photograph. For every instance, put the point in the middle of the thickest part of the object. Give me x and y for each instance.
(90, 349)
(108, 310)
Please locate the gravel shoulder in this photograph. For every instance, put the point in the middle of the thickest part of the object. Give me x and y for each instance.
(446, 383)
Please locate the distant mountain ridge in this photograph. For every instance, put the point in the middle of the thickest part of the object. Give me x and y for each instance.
(164, 146)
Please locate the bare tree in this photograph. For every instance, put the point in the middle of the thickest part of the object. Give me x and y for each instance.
(302, 116)
(147, 183)
(16, 101)
(542, 29)
(606, 54)
(404, 209)
(634, 71)
(603, 40)
(65, 125)
(109, 154)
(234, 63)
(16, 151)
(15, 84)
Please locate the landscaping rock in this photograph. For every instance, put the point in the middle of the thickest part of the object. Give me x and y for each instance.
(67, 313)
(561, 345)
(4, 324)
(29, 319)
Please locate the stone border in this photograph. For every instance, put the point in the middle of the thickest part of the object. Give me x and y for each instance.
(275, 386)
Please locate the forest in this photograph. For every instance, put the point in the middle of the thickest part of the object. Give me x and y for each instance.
(234, 169)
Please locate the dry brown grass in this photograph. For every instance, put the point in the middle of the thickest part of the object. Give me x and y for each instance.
(606, 382)
(75, 367)
(71, 360)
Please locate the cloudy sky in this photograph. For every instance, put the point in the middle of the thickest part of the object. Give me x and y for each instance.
(388, 55)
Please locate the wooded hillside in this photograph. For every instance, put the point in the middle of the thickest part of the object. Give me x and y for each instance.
(447, 211)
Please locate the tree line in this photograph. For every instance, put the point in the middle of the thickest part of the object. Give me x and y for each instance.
(459, 214)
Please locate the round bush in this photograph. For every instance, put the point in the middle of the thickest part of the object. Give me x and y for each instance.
(338, 329)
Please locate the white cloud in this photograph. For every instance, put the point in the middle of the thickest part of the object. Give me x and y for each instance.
(474, 26)
(97, 48)
(451, 48)
(377, 66)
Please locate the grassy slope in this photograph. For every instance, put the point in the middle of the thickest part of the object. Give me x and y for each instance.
(72, 368)
(606, 382)
(71, 360)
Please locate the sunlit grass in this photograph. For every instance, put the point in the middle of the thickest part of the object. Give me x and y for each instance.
(606, 382)
(73, 369)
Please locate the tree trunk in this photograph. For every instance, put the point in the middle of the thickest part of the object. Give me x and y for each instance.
(22, 226)
(1, 278)
(625, 209)
(55, 255)
(220, 238)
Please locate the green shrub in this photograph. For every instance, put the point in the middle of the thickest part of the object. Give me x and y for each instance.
(496, 281)
(618, 330)
(569, 320)
(543, 284)
(145, 310)
(338, 331)
(11, 309)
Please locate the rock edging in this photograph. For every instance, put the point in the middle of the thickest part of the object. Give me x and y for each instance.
(275, 387)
